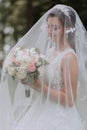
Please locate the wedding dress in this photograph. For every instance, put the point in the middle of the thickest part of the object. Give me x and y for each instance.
(58, 33)
(51, 116)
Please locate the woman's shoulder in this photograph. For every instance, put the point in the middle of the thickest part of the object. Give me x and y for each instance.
(70, 53)
(70, 57)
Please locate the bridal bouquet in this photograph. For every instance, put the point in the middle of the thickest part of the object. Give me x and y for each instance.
(24, 63)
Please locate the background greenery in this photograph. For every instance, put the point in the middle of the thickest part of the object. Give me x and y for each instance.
(18, 16)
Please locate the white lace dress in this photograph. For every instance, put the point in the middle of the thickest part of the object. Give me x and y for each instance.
(52, 116)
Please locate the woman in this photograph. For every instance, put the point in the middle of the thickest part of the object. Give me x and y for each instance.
(60, 36)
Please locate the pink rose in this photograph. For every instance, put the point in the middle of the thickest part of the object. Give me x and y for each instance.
(17, 63)
(31, 67)
(13, 60)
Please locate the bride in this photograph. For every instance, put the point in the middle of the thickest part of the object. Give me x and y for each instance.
(57, 100)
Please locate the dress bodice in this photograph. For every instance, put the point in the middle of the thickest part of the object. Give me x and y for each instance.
(54, 72)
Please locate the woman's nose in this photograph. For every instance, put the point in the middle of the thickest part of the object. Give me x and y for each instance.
(50, 31)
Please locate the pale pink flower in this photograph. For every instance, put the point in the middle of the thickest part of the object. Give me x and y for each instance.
(31, 67)
(13, 60)
(25, 52)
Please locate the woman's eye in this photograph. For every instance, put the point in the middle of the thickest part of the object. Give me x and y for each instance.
(48, 26)
(55, 28)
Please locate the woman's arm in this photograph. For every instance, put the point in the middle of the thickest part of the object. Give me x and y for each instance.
(70, 77)
(54, 94)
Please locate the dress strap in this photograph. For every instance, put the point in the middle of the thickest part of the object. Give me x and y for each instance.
(68, 51)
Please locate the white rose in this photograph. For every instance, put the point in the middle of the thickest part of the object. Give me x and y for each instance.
(32, 52)
(19, 58)
(21, 74)
(26, 58)
(11, 70)
(24, 65)
(23, 58)
(27, 51)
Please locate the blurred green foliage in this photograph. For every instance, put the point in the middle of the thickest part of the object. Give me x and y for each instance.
(18, 16)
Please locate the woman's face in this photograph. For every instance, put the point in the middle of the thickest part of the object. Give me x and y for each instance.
(55, 29)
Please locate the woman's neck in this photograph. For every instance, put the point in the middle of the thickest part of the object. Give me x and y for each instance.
(61, 46)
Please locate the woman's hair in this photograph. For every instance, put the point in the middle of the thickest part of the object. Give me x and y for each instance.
(68, 21)
(57, 13)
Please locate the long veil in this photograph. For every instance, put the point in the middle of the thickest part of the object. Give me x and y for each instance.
(14, 105)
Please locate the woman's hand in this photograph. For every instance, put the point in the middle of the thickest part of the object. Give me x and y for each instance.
(36, 85)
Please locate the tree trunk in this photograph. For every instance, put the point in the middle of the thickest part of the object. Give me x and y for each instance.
(29, 14)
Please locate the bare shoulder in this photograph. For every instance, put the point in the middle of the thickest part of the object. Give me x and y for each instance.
(70, 58)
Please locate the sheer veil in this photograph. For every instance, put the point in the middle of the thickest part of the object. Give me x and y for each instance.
(14, 105)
